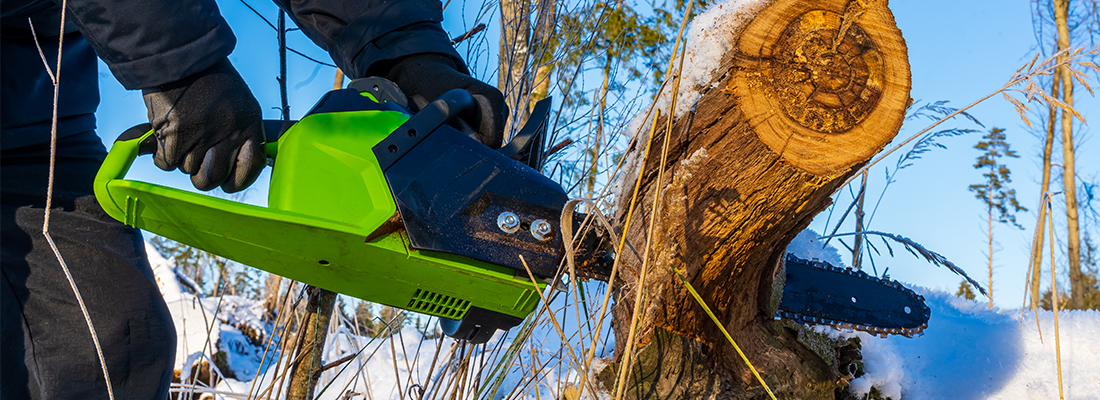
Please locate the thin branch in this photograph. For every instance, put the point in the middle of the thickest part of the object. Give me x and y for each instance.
(920, 252)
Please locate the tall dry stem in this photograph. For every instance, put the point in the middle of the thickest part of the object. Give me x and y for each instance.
(1054, 296)
(1037, 244)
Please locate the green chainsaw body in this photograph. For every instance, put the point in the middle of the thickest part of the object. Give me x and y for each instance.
(328, 199)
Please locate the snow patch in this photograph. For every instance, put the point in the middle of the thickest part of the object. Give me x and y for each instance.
(808, 246)
(710, 36)
(164, 273)
(971, 352)
(696, 158)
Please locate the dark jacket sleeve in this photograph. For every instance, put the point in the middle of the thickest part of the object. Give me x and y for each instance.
(148, 43)
(363, 35)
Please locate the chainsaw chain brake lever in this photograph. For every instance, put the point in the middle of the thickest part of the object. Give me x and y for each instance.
(447, 106)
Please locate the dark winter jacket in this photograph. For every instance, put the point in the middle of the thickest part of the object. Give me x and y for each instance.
(147, 43)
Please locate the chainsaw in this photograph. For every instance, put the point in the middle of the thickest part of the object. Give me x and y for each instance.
(371, 200)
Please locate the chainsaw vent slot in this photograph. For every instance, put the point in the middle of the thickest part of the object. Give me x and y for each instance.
(437, 304)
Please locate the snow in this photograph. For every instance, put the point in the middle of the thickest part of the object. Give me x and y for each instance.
(386, 368)
(808, 246)
(710, 36)
(164, 273)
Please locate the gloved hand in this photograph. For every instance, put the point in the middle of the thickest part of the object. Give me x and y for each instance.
(209, 126)
(423, 77)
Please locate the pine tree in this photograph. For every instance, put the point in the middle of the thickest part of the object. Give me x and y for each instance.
(993, 192)
(1090, 283)
(965, 291)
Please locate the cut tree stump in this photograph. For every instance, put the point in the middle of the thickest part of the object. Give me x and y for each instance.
(808, 93)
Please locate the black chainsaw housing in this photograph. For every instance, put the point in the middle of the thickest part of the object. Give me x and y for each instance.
(478, 325)
(450, 190)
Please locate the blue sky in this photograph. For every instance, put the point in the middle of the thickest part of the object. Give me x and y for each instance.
(958, 50)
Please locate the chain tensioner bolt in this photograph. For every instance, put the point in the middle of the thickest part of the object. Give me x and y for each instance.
(542, 230)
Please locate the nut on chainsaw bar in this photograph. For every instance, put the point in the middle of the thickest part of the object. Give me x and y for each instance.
(508, 222)
(541, 230)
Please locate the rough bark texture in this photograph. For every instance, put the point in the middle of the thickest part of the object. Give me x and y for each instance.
(810, 91)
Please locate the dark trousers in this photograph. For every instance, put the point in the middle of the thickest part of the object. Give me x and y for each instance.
(46, 349)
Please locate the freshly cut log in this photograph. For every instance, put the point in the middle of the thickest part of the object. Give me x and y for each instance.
(807, 93)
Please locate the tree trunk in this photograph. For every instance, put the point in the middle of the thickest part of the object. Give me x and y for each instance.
(857, 248)
(595, 141)
(515, 34)
(271, 297)
(306, 368)
(807, 93)
(1076, 279)
(989, 230)
(545, 26)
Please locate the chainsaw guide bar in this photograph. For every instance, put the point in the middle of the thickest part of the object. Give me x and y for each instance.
(818, 293)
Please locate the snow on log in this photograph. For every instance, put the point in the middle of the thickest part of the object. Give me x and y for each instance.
(801, 95)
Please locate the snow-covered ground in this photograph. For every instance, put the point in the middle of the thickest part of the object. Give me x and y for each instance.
(967, 352)
(971, 352)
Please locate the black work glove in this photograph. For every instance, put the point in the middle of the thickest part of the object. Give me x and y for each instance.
(209, 126)
(423, 77)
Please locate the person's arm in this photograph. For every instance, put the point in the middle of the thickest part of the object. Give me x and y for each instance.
(365, 36)
(403, 41)
(207, 122)
(151, 43)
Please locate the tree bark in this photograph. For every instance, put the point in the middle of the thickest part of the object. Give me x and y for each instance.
(526, 59)
(857, 248)
(515, 35)
(807, 94)
(306, 368)
(989, 231)
(546, 23)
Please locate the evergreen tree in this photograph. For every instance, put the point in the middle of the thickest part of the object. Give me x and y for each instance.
(993, 192)
(965, 291)
(1045, 302)
(378, 325)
